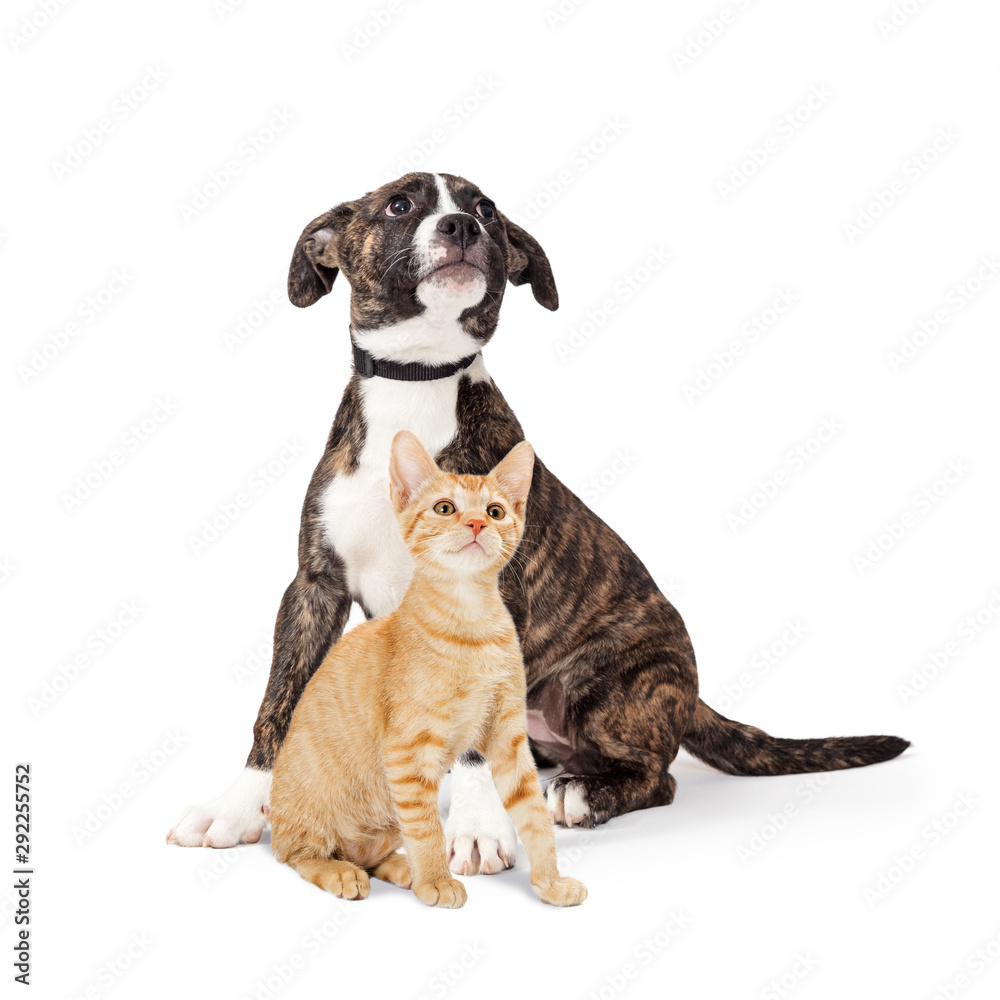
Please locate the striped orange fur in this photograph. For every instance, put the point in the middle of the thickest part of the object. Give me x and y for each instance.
(400, 697)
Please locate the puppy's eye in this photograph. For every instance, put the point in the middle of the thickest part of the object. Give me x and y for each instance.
(398, 206)
(444, 507)
(496, 511)
(486, 209)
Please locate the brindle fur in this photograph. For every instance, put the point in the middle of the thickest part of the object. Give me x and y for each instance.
(607, 658)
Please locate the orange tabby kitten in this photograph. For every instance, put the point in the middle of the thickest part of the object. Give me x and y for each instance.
(400, 697)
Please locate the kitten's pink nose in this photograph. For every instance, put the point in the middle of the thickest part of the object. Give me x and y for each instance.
(476, 526)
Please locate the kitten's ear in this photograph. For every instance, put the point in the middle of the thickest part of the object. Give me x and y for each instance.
(409, 468)
(514, 472)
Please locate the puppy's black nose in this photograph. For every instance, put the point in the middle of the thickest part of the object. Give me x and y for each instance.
(462, 230)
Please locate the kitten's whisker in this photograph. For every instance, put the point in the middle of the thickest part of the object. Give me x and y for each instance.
(528, 541)
(520, 582)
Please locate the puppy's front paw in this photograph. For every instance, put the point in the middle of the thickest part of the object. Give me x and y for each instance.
(238, 817)
(479, 834)
(447, 892)
(561, 891)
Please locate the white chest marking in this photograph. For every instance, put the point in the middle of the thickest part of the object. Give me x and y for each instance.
(435, 337)
(357, 516)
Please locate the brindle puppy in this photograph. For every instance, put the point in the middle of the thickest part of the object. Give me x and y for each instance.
(612, 683)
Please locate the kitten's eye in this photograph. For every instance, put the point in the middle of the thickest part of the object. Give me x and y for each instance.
(496, 511)
(444, 507)
(398, 206)
(486, 209)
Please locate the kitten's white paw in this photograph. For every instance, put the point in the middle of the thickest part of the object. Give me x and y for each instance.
(238, 817)
(479, 834)
(567, 802)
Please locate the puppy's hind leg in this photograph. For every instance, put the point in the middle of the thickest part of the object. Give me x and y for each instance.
(622, 729)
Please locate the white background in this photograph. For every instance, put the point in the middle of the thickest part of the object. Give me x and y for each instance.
(800, 908)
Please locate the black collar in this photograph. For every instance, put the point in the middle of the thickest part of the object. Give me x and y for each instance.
(412, 371)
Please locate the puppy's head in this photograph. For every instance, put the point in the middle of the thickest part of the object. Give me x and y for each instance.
(426, 243)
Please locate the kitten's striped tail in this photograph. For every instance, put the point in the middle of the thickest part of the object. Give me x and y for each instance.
(735, 748)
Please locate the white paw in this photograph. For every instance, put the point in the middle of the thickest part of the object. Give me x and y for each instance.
(238, 817)
(567, 802)
(480, 835)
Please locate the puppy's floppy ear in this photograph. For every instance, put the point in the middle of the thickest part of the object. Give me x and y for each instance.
(409, 468)
(526, 262)
(314, 260)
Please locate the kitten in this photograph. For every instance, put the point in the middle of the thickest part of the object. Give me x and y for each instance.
(400, 697)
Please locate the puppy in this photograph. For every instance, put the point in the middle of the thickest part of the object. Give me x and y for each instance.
(612, 688)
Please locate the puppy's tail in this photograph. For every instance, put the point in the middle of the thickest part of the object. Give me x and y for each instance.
(735, 748)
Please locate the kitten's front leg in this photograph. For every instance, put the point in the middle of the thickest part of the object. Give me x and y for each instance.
(521, 794)
(415, 796)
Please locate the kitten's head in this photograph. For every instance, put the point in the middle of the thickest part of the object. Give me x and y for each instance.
(459, 524)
